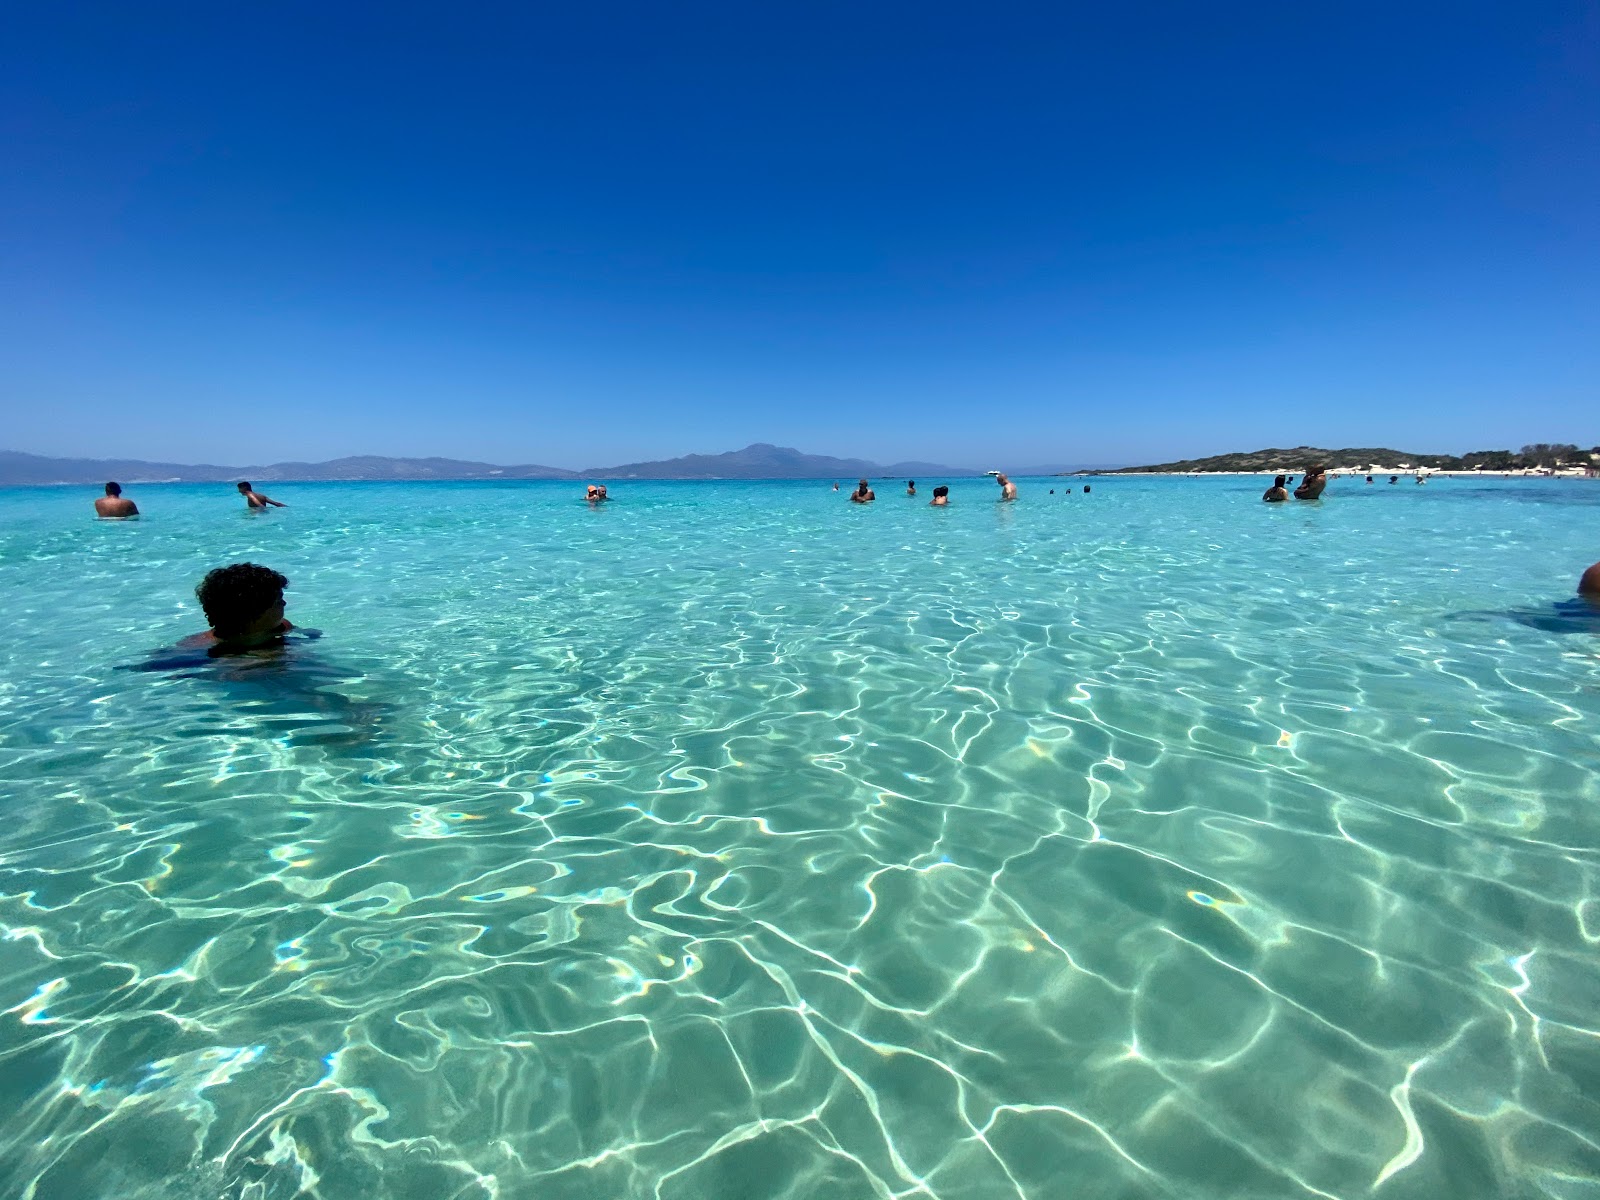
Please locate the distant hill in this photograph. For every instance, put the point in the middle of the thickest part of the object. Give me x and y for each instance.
(761, 460)
(24, 469)
(1300, 457)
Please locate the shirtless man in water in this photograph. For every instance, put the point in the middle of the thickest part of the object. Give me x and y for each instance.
(1008, 490)
(255, 499)
(1311, 486)
(113, 505)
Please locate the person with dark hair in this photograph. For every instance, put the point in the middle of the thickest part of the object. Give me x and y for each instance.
(255, 499)
(1369, 478)
(1086, 489)
(863, 494)
(941, 496)
(1277, 491)
(911, 487)
(113, 506)
(1311, 486)
(244, 603)
(1394, 479)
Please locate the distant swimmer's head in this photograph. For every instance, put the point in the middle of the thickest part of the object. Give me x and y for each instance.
(1280, 480)
(113, 489)
(245, 485)
(939, 491)
(242, 601)
(1086, 489)
(1589, 584)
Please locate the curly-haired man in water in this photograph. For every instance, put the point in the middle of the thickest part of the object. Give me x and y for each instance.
(244, 603)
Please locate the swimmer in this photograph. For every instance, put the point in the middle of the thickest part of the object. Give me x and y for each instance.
(1086, 489)
(1311, 486)
(1369, 478)
(836, 486)
(1394, 479)
(596, 493)
(863, 494)
(911, 487)
(1589, 584)
(1277, 491)
(244, 603)
(941, 499)
(1008, 490)
(113, 506)
(1421, 479)
(256, 500)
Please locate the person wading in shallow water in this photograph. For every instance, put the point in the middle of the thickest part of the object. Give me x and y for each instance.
(1276, 492)
(244, 603)
(1589, 584)
(113, 505)
(1311, 486)
(254, 499)
(863, 494)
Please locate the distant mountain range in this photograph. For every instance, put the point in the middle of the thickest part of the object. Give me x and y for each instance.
(764, 461)
(757, 461)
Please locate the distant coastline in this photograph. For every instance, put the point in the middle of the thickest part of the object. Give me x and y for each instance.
(757, 461)
(1540, 457)
(764, 461)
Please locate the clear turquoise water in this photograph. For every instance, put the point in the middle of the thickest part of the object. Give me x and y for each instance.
(734, 841)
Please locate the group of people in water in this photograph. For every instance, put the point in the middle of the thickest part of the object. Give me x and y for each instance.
(941, 494)
(244, 602)
(1311, 486)
(114, 506)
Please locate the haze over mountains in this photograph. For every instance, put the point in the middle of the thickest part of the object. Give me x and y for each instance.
(757, 461)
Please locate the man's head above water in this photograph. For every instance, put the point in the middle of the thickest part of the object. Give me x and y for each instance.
(1589, 584)
(243, 601)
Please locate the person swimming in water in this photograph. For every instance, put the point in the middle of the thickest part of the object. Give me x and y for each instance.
(863, 494)
(255, 500)
(911, 487)
(244, 603)
(941, 497)
(596, 493)
(1008, 490)
(1311, 486)
(1276, 492)
(114, 506)
(1589, 584)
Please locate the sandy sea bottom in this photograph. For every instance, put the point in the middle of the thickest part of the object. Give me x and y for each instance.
(734, 841)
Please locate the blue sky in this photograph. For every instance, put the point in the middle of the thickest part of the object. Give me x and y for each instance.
(970, 233)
